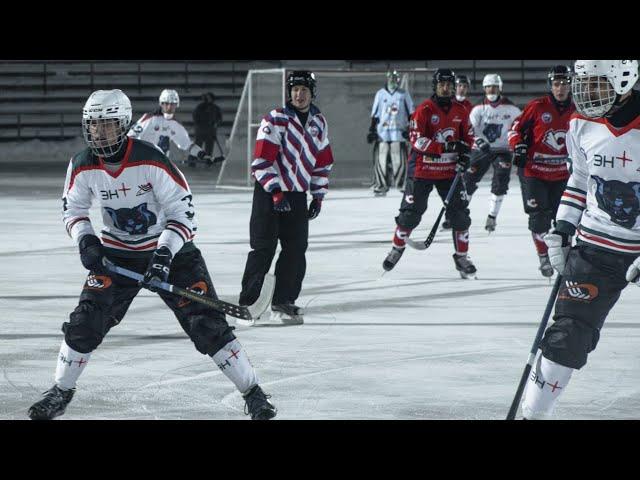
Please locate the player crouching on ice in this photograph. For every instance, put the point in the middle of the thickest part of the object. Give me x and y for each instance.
(150, 232)
(600, 204)
(440, 136)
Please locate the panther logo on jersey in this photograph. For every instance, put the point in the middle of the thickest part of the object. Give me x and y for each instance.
(446, 135)
(555, 139)
(620, 200)
(164, 143)
(492, 131)
(134, 221)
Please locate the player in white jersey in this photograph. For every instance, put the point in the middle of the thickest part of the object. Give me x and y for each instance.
(392, 107)
(601, 203)
(149, 220)
(161, 129)
(491, 121)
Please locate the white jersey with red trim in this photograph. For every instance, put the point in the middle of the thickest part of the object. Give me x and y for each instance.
(160, 131)
(602, 197)
(291, 156)
(491, 122)
(145, 202)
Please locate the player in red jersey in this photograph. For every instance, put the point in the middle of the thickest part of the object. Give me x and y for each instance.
(537, 138)
(440, 136)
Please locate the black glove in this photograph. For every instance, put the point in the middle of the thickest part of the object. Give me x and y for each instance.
(314, 208)
(158, 268)
(456, 147)
(372, 136)
(405, 134)
(520, 155)
(92, 254)
(483, 145)
(280, 202)
(463, 163)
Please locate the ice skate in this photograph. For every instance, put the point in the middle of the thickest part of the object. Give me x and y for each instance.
(446, 225)
(545, 266)
(257, 405)
(464, 265)
(287, 313)
(380, 193)
(53, 404)
(490, 226)
(392, 258)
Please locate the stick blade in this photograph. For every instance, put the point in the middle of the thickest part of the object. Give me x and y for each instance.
(415, 245)
(264, 300)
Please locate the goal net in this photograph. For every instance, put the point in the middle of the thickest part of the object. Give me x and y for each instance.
(345, 98)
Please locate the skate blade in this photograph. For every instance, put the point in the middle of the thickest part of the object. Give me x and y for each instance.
(278, 317)
(468, 276)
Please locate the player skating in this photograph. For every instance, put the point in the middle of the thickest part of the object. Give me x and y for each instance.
(149, 220)
(600, 205)
(491, 121)
(440, 137)
(537, 138)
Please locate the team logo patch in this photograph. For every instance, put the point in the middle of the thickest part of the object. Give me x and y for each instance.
(620, 200)
(531, 203)
(435, 119)
(142, 189)
(555, 139)
(546, 117)
(134, 221)
(408, 198)
(580, 292)
(446, 135)
(199, 287)
(97, 282)
(266, 130)
(421, 143)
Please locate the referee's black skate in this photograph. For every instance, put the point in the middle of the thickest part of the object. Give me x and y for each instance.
(464, 265)
(53, 404)
(257, 405)
(287, 313)
(392, 258)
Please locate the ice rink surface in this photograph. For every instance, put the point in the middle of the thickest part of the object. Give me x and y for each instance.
(416, 343)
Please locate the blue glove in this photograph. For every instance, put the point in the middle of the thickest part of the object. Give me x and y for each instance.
(280, 202)
(314, 208)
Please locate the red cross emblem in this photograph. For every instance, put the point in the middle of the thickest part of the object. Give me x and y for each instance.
(124, 189)
(624, 159)
(554, 386)
(234, 354)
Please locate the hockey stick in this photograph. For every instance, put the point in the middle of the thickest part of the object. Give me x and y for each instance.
(238, 311)
(534, 349)
(424, 245)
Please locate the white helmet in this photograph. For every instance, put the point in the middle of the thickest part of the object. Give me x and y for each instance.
(597, 84)
(169, 96)
(104, 109)
(492, 79)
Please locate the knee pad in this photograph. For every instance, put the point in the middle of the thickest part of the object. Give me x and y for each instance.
(460, 219)
(208, 333)
(569, 341)
(408, 219)
(540, 221)
(86, 327)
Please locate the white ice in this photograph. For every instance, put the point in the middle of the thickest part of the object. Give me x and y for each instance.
(416, 343)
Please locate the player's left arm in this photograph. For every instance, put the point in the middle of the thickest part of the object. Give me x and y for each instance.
(324, 163)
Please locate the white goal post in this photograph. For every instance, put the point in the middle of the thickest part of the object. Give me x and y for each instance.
(345, 97)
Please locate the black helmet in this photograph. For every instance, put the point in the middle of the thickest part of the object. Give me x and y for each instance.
(559, 71)
(301, 77)
(443, 75)
(462, 79)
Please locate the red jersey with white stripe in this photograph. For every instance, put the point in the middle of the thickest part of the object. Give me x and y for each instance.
(466, 103)
(543, 127)
(292, 156)
(602, 197)
(145, 201)
(430, 127)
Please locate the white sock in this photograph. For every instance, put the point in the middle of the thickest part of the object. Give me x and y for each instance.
(546, 382)
(70, 366)
(235, 364)
(495, 202)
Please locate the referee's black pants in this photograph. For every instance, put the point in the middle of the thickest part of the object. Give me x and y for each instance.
(266, 228)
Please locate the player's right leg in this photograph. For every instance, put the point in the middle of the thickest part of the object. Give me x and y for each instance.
(263, 238)
(499, 188)
(535, 195)
(88, 324)
(381, 186)
(413, 205)
(480, 163)
(592, 282)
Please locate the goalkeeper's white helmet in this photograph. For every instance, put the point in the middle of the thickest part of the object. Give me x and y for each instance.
(597, 84)
(169, 96)
(106, 117)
